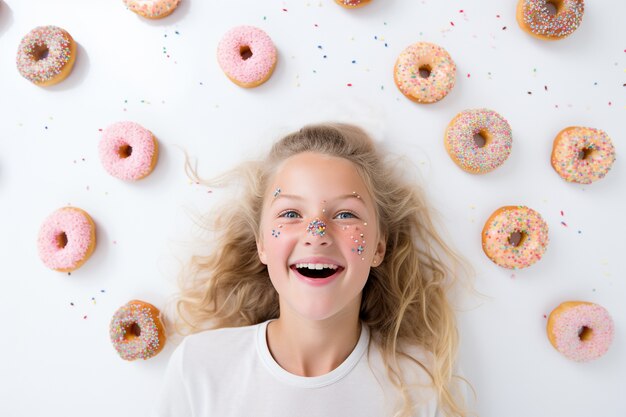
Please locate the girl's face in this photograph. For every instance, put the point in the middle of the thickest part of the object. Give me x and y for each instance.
(319, 236)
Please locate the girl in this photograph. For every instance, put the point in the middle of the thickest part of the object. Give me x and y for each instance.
(325, 295)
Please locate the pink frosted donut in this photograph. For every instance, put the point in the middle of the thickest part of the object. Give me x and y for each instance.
(128, 151)
(247, 56)
(515, 237)
(46, 55)
(466, 152)
(66, 239)
(152, 9)
(580, 330)
(424, 72)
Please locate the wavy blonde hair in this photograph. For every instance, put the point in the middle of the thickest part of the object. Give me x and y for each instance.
(405, 300)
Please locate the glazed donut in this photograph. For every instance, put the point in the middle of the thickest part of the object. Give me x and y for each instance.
(128, 151)
(67, 238)
(478, 140)
(152, 9)
(580, 330)
(582, 154)
(424, 72)
(352, 4)
(247, 56)
(535, 18)
(515, 237)
(46, 55)
(137, 331)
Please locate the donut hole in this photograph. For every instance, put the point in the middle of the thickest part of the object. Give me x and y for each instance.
(425, 70)
(480, 139)
(245, 52)
(517, 238)
(61, 240)
(584, 333)
(585, 153)
(40, 52)
(125, 151)
(553, 7)
(132, 331)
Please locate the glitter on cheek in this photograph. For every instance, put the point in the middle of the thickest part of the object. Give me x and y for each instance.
(277, 192)
(357, 241)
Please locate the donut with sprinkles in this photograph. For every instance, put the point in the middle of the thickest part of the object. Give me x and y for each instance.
(478, 140)
(582, 154)
(247, 56)
(580, 330)
(537, 17)
(67, 238)
(46, 55)
(352, 4)
(136, 331)
(515, 237)
(152, 9)
(424, 72)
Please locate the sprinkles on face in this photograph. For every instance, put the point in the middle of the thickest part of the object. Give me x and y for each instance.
(277, 192)
(316, 228)
(46, 55)
(534, 17)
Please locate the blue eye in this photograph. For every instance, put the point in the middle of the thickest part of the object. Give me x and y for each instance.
(289, 214)
(345, 215)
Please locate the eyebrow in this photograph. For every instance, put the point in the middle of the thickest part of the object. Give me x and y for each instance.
(300, 198)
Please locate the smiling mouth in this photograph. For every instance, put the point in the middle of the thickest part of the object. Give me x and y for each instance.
(317, 271)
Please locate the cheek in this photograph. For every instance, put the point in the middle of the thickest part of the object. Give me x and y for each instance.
(355, 238)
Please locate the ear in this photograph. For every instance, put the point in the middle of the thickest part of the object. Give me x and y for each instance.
(261, 251)
(379, 254)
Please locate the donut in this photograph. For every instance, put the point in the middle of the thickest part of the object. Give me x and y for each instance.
(582, 154)
(478, 140)
(352, 4)
(46, 55)
(580, 330)
(424, 72)
(152, 9)
(137, 331)
(247, 56)
(535, 17)
(128, 151)
(515, 237)
(67, 238)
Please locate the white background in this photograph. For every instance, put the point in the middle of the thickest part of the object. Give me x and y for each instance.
(56, 358)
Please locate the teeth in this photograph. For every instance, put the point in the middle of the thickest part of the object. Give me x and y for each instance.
(316, 266)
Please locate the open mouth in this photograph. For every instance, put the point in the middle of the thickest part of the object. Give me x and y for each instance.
(317, 271)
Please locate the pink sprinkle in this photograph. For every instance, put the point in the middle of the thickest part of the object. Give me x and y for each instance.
(468, 75)
(561, 212)
(85, 317)
(284, 10)
(545, 317)
(452, 23)
(498, 16)
(610, 103)
(564, 224)
(349, 85)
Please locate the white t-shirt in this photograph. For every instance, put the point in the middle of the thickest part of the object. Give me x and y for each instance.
(231, 372)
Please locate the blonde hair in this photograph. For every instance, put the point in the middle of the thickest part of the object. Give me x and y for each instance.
(404, 302)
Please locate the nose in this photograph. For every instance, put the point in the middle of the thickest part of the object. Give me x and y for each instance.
(316, 233)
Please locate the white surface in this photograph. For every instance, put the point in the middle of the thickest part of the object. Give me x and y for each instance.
(56, 358)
